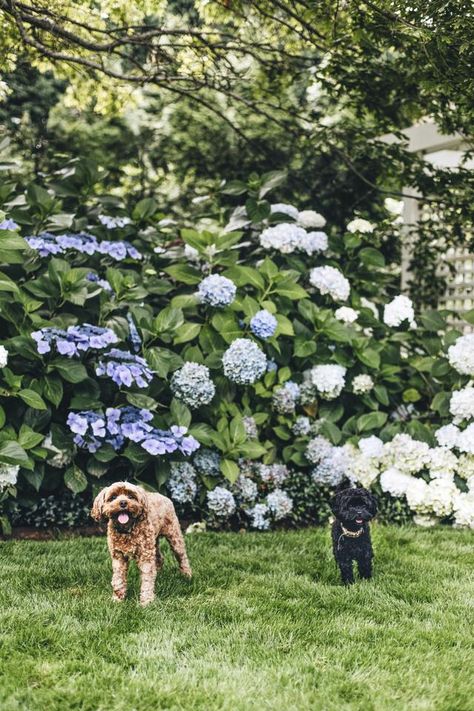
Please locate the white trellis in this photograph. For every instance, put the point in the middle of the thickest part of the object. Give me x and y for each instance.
(456, 264)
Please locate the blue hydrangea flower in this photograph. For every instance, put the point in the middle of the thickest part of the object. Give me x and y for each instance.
(130, 422)
(74, 340)
(119, 250)
(207, 462)
(192, 385)
(221, 502)
(302, 426)
(284, 398)
(168, 441)
(258, 517)
(81, 242)
(125, 368)
(246, 489)
(89, 429)
(273, 474)
(280, 504)
(263, 324)
(244, 363)
(9, 224)
(182, 482)
(44, 243)
(133, 335)
(217, 290)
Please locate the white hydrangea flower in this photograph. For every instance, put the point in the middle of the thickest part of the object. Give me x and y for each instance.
(417, 495)
(346, 314)
(274, 474)
(191, 253)
(461, 405)
(258, 517)
(465, 442)
(3, 357)
(408, 455)
(328, 379)
(221, 502)
(329, 280)
(310, 218)
(362, 384)
(317, 449)
(466, 466)
(371, 447)
(246, 489)
(366, 304)
(447, 436)
(285, 237)
(395, 482)
(400, 309)
(244, 362)
(395, 207)
(60, 458)
(358, 224)
(279, 504)
(463, 509)
(313, 242)
(440, 496)
(8, 475)
(461, 354)
(362, 470)
(333, 468)
(443, 463)
(285, 209)
(425, 520)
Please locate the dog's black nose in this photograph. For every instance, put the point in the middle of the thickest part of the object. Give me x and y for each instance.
(123, 504)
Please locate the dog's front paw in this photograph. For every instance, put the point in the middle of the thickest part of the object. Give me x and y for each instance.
(187, 572)
(118, 597)
(144, 601)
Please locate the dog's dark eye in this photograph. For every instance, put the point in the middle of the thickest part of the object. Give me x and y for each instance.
(113, 497)
(132, 496)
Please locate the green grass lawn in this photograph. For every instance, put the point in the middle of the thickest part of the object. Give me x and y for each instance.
(263, 625)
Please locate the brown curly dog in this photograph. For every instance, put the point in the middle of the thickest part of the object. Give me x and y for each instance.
(136, 520)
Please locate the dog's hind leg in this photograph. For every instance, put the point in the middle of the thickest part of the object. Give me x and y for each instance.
(119, 576)
(159, 556)
(365, 567)
(175, 538)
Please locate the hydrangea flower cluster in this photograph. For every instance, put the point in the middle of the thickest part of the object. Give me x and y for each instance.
(9, 224)
(273, 474)
(329, 280)
(263, 324)
(461, 405)
(244, 363)
(93, 429)
(3, 357)
(332, 469)
(8, 475)
(317, 449)
(279, 504)
(182, 482)
(245, 489)
(301, 426)
(125, 368)
(217, 291)
(103, 283)
(221, 502)
(362, 384)
(192, 385)
(207, 462)
(113, 222)
(346, 314)
(258, 517)
(84, 243)
(250, 427)
(328, 379)
(284, 398)
(74, 340)
(461, 355)
(400, 309)
(287, 237)
(305, 218)
(358, 224)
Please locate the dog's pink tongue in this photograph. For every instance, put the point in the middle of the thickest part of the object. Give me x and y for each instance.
(122, 518)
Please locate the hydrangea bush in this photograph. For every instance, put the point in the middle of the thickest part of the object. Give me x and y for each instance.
(245, 364)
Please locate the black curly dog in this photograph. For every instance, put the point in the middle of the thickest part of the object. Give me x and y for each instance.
(353, 509)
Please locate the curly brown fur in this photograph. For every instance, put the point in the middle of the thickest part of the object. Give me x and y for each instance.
(136, 521)
(353, 509)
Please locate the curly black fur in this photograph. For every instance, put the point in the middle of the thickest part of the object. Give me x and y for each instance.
(353, 509)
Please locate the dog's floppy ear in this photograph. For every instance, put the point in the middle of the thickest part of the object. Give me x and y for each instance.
(143, 500)
(98, 504)
(335, 503)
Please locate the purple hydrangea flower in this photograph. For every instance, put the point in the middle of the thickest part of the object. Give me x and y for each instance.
(168, 441)
(74, 340)
(125, 368)
(112, 222)
(9, 224)
(89, 429)
(103, 283)
(44, 243)
(81, 242)
(119, 250)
